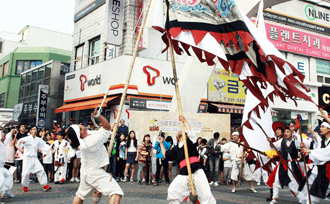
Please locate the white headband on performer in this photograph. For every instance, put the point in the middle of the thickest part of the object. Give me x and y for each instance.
(76, 129)
(325, 124)
(235, 133)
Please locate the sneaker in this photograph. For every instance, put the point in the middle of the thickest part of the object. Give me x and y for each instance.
(140, 182)
(72, 180)
(216, 184)
(25, 189)
(167, 184)
(77, 180)
(258, 184)
(234, 190)
(47, 188)
(156, 184)
(211, 183)
(253, 190)
(124, 180)
(8, 195)
(63, 179)
(117, 179)
(153, 181)
(273, 202)
(131, 179)
(143, 180)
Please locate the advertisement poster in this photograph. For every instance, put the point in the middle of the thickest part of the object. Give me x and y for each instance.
(225, 87)
(42, 105)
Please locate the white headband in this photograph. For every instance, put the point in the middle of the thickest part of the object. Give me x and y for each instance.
(325, 124)
(235, 133)
(76, 129)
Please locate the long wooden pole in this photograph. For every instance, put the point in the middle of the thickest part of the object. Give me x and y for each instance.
(278, 153)
(305, 166)
(260, 152)
(123, 96)
(175, 76)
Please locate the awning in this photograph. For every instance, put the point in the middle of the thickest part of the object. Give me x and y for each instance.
(83, 105)
(223, 108)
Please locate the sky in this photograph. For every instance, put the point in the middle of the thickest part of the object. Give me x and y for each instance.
(54, 15)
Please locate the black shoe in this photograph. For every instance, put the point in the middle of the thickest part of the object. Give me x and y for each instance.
(56, 182)
(147, 184)
(269, 199)
(60, 182)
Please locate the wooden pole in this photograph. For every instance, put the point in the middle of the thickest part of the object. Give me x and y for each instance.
(191, 183)
(123, 96)
(305, 166)
(278, 153)
(260, 152)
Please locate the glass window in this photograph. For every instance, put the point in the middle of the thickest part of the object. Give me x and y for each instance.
(27, 91)
(79, 57)
(5, 69)
(34, 75)
(1, 71)
(0, 47)
(33, 89)
(323, 67)
(47, 81)
(2, 100)
(23, 79)
(33, 64)
(41, 73)
(94, 51)
(28, 77)
(327, 80)
(19, 67)
(26, 65)
(38, 62)
(21, 92)
(319, 78)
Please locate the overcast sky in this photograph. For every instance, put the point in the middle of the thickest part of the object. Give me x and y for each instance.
(54, 15)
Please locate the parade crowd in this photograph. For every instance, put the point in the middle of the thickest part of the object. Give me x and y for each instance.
(55, 155)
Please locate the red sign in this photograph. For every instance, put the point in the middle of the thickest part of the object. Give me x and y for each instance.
(298, 42)
(151, 80)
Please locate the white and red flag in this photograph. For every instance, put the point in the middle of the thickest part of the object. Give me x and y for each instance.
(218, 29)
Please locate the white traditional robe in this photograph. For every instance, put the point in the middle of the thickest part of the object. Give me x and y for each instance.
(60, 150)
(6, 178)
(31, 164)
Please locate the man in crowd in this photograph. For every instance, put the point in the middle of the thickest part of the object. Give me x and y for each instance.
(179, 189)
(318, 178)
(214, 158)
(122, 129)
(22, 133)
(60, 148)
(94, 158)
(64, 125)
(237, 156)
(31, 164)
(6, 178)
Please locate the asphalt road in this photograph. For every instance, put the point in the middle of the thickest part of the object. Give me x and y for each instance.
(135, 193)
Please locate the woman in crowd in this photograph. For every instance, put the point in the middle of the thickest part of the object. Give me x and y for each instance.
(131, 155)
(169, 139)
(121, 157)
(76, 166)
(18, 163)
(144, 159)
(10, 150)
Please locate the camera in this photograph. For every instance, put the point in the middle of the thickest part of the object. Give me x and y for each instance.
(55, 121)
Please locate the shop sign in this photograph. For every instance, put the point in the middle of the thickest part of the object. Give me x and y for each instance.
(290, 40)
(301, 14)
(324, 96)
(29, 110)
(144, 104)
(89, 82)
(115, 20)
(225, 87)
(42, 105)
(84, 7)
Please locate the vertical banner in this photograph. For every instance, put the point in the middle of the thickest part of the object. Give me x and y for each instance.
(17, 111)
(115, 19)
(42, 105)
(139, 21)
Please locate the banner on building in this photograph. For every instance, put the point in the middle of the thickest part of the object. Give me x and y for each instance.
(29, 110)
(115, 20)
(225, 87)
(84, 7)
(42, 105)
(17, 111)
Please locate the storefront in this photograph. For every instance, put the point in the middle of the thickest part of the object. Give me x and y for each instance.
(6, 114)
(324, 98)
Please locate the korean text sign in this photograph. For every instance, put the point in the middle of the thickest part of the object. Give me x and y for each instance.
(42, 105)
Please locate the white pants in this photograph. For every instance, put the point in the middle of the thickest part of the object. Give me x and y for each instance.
(246, 173)
(258, 173)
(33, 165)
(180, 189)
(6, 181)
(100, 180)
(61, 172)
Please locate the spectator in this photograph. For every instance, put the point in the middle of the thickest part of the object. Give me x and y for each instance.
(122, 128)
(121, 157)
(10, 149)
(70, 122)
(56, 129)
(144, 160)
(64, 125)
(202, 150)
(22, 133)
(161, 161)
(131, 155)
(226, 164)
(47, 160)
(76, 166)
(18, 162)
(169, 139)
(214, 158)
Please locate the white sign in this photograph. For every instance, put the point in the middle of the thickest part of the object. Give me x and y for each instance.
(149, 77)
(114, 28)
(84, 7)
(17, 111)
(125, 115)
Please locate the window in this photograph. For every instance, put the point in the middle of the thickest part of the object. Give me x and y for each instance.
(26, 65)
(94, 51)
(1, 70)
(33, 89)
(0, 47)
(323, 67)
(41, 73)
(34, 75)
(23, 65)
(323, 79)
(21, 92)
(23, 79)
(19, 67)
(79, 57)
(28, 77)
(2, 100)
(5, 69)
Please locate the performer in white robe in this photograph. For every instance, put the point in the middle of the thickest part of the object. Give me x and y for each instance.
(60, 148)
(6, 178)
(31, 164)
(319, 175)
(236, 153)
(94, 158)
